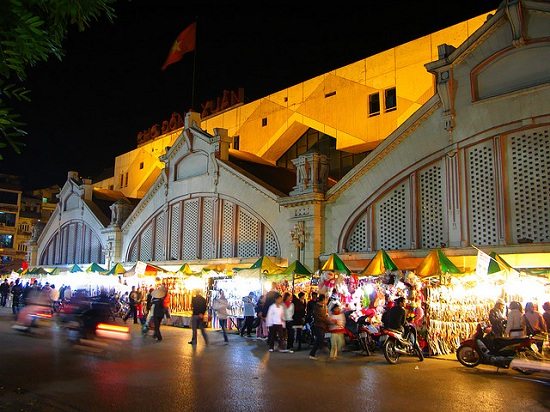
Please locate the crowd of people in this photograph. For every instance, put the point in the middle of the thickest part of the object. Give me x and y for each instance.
(516, 321)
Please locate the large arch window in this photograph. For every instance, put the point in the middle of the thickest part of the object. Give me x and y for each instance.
(75, 242)
(203, 227)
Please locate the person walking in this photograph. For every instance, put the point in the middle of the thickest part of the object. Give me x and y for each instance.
(534, 321)
(4, 290)
(248, 323)
(299, 317)
(133, 301)
(17, 296)
(515, 324)
(220, 305)
(546, 315)
(288, 315)
(261, 329)
(198, 317)
(320, 325)
(276, 324)
(497, 319)
(337, 328)
(158, 309)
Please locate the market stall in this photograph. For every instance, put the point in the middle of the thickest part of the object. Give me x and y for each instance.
(456, 303)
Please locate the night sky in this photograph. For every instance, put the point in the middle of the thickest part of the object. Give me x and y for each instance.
(89, 107)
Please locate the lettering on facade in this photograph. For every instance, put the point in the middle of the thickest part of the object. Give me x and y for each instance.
(166, 126)
(228, 99)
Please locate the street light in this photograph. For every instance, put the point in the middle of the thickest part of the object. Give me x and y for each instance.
(298, 236)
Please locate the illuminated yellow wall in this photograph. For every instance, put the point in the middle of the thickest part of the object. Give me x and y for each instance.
(344, 115)
(139, 179)
(290, 112)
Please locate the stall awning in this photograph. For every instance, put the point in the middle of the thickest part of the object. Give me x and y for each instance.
(335, 264)
(296, 269)
(266, 264)
(94, 267)
(436, 264)
(380, 264)
(75, 268)
(117, 269)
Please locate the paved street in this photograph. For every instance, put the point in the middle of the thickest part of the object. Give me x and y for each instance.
(41, 373)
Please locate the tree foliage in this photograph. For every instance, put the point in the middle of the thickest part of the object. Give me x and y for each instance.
(32, 31)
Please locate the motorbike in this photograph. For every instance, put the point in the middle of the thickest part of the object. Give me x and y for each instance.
(360, 331)
(87, 319)
(396, 343)
(484, 348)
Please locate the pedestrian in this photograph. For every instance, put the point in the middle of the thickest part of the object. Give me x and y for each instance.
(148, 312)
(17, 296)
(199, 317)
(299, 317)
(288, 315)
(54, 296)
(132, 300)
(309, 307)
(261, 329)
(4, 290)
(515, 324)
(67, 293)
(546, 315)
(249, 314)
(534, 322)
(337, 328)
(320, 325)
(497, 319)
(220, 305)
(157, 305)
(276, 324)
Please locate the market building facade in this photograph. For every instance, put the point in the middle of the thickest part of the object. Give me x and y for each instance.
(440, 142)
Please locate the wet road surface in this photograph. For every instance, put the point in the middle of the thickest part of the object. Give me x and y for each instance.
(44, 373)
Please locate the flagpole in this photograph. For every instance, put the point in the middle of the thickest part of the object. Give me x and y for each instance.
(194, 66)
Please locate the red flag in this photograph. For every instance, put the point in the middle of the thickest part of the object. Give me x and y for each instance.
(185, 43)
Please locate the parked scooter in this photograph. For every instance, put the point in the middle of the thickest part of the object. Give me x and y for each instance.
(360, 331)
(395, 343)
(484, 348)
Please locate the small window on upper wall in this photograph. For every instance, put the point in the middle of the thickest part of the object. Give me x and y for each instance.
(264, 122)
(390, 100)
(374, 104)
(236, 142)
(141, 165)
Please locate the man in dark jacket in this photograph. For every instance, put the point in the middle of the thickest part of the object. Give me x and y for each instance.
(17, 292)
(320, 325)
(199, 317)
(395, 318)
(299, 317)
(4, 290)
(310, 306)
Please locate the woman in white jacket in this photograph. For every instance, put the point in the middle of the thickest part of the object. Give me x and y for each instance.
(275, 321)
(515, 325)
(220, 305)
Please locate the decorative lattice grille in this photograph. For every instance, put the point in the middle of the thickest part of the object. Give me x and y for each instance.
(78, 253)
(482, 194)
(393, 219)
(175, 234)
(247, 239)
(208, 250)
(431, 207)
(95, 250)
(71, 241)
(51, 251)
(529, 165)
(227, 230)
(358, 240)
(190, 229)
(133, 255)
(159, 237)
(270, 244)
(146, 245)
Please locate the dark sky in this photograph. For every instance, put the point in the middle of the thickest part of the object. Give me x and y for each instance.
(88, 108)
